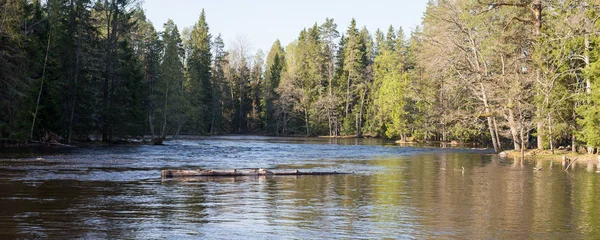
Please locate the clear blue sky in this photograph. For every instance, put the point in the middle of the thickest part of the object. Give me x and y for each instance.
(264, 21)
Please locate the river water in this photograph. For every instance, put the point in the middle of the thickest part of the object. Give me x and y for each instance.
(395, 192)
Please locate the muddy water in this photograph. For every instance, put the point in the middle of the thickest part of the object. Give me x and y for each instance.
(396, 192)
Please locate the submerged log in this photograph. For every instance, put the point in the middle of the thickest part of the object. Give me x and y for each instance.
(235, 172)
(52, 143)
(158, 141)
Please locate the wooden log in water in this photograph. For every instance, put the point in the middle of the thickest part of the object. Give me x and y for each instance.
(235, 173)
(52, 143)
(296, 173)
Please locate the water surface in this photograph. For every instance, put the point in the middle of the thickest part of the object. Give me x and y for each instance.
(396, 192)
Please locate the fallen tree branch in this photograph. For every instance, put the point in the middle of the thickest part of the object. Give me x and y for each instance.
(567, 168)
(235, 173)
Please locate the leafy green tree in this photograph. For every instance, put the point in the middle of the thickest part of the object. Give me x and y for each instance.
(389, 86)
(590, 120)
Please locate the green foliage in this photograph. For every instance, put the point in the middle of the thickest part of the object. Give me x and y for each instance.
(389, 90)
(474, 69)
(13, 81)
(590, 113)
(169, 95)
(199, 87)
(274, 67)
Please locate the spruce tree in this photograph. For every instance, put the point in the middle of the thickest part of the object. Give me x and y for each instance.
(200, 87)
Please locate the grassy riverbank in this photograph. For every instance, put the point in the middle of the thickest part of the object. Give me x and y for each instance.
(536, 154)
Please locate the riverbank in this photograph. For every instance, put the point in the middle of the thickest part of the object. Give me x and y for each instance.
(38, 144)
(348, 136)
(546, 155)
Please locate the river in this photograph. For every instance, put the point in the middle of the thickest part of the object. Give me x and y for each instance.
(395, 192)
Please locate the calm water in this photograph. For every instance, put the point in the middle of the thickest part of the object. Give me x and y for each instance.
(397, 192)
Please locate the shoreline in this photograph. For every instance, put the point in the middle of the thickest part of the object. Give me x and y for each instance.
(546, 155)
(147, 140)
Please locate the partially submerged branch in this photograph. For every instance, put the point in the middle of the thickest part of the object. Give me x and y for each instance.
(235, 173)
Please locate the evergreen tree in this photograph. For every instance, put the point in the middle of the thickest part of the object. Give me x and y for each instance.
(255, 93)
(148, 47)
(355, 62)
(221, 112)
(12, 56)
(274, 68)
(389, 87)
(170, 98)
(200, 88)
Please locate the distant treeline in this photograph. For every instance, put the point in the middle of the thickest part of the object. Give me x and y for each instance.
(524, 72)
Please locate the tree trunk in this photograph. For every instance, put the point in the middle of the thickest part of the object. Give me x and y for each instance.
(360, 116)
(151, 125)
(573, 143)
(277, 123)
(329, 121)
(307, 121)
(538, 28)
(106, 119)
(37, 105)
(527, 137)
(586, 58)
(492, 134)
(444, 139)
(150, 106)
(496, 133)
(356, 125)
(284, 131)
(537, 13)
(212, 120)
(550, 134)
(177, 131)
(74, 89)
(330, 78)
(513, 129)
(588, 84)
(489, 119)
(163, 132)
(348, 96)
(522, 142)
(540, 139)
(241, 123)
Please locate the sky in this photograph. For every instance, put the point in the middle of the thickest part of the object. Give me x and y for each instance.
(261, 22)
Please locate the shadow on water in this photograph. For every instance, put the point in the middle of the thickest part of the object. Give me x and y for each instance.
(398, 192)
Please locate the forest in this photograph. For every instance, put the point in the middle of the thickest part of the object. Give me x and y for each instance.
(510, 74)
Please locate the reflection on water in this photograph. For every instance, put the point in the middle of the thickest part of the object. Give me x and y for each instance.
(397, 192)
